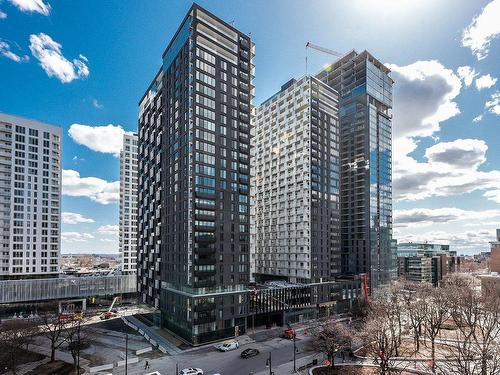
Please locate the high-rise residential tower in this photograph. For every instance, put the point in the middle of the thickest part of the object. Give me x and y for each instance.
(194, 180)
(295, 192)
(30, 198)
(365, 92)
(128, 203)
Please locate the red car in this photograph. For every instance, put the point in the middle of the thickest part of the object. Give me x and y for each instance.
(289, 333)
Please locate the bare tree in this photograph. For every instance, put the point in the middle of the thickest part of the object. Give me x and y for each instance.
(332, 338)
(78, 336)
(360, 308)
(413, 297)
(436, 313)
(477, 317)
(52, 326)
(15, 336)
(382, 336)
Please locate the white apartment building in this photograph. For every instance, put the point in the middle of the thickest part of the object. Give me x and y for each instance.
(30, 198)
(128, 203)
(295, 191)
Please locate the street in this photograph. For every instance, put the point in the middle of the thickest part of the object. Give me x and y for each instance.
(212, 361)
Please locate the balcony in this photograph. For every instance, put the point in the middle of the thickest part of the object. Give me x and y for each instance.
(204, 251)
(200, 194)
(205, 261)
(244, 43)
(205, 307)
(208, 238)
(204, 217)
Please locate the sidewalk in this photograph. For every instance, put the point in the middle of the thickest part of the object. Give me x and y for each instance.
(287, 368)
(60, 355)
(151, 332)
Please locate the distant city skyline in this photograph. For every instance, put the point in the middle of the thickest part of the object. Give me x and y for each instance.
(84, 67)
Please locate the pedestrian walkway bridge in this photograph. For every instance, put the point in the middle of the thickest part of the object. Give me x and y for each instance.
(16, 291)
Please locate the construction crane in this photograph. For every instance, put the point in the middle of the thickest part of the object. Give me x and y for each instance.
(321, 49)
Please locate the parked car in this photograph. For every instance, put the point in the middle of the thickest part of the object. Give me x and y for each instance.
(228, 345)
(289, 333)
(191, 371)
(250, 352)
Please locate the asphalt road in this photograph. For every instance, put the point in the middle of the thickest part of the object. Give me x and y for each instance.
(212, 361)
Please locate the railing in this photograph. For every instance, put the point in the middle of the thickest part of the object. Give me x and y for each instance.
(12, 291)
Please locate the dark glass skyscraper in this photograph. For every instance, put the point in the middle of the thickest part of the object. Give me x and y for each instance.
(365, 91)
(194, 180)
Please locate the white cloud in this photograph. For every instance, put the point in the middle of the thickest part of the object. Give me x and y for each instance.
(477, 119)
(493, 105)
(108, 229)
(6, 52)
(424, 94)
(452, 168)
(76, 237)
(461, 153)
(485, 82)
(3, 15)
(493, 195)
(467, 74)
(107, 139)
(423, 98)
(74, 218)
(483, 29)
(30, 6)
(432, 216)
(96, 189)
(96, 104)
(48, 52)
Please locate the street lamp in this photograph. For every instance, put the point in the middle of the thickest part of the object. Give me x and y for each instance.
(126, 353)
(295, 350)
(269, 364)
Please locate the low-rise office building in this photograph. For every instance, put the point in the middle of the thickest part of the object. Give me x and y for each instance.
(426, 262)
(495, 254)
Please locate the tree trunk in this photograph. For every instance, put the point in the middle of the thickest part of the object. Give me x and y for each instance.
(417, 341)
(52, 353)
(484, 364)
(433, 355)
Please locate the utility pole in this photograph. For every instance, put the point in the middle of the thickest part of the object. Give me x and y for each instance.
(126, 353)
(176, 369)
(78, 350)
(294, 351)
(269, 364)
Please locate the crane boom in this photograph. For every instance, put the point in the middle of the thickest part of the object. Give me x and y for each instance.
(323, 49)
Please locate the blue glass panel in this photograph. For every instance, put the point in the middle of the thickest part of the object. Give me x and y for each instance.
(177, 43)
(361, 89)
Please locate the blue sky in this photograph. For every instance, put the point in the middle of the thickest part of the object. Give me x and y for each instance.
(89, 62)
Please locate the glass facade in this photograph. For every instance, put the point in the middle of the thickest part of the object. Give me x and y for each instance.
(365, 89)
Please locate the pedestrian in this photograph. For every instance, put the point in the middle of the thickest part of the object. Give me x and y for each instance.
(146, 366)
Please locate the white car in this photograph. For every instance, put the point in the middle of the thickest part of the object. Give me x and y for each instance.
(191, 371)
(228, 345)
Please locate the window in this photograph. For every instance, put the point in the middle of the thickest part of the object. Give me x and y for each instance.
(204, 158)
(205, 169)
(205, 90)
(200, 76)
(205, 181)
